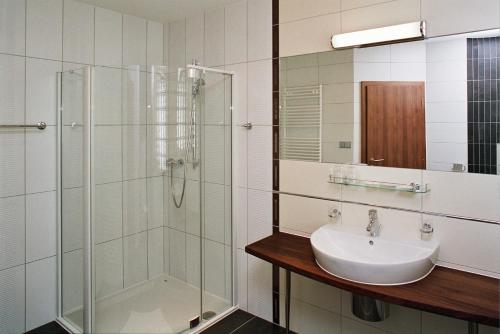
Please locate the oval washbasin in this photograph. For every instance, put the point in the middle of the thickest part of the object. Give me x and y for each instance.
(364, 259)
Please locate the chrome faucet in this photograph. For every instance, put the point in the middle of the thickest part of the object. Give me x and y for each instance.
(373, 226)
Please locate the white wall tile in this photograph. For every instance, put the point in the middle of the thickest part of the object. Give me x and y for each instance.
(108, 212)
(193, 260)
(260, 211)
(12, 300)
(135, 257)
(12, 73)
(166, 250)
(177, 45)
(214, 212)
(78, 32)
(195, 38)
(40, 226)
(309, 319)
(465, 243)
(72, 157)
(351, 4)
(166, 34)
(193, 215)
(41, 292)
(109, 267)
(240, 205)
(41, 160)
(214, 37)
(155, 252)
(12, 236)
(177, 254)
(380, 15)
(154, 43)
(41, 90)
(308, 36)
(156, 150)
(134, 151)
(260, 285)
(12, 27)
(292, 179)
(293, 10)
(176, 217)
(134, 96)
(72, 282)
(465, 16)
(135, 214)
(350, 326)
(408, 72)
(236, 33)
(108, 37)
(134, 40)
(241, 279)
(260, 158)
(12, 167)
(72, 219)
(259, 29)
(313, 292)
(107, 96)
(452, 193)
(410, 52)
(402, 319)
(108, 155)
(214, 274)
(437, 324)
(155, 202)
(305, 215)
(214, 154)
(44, 22)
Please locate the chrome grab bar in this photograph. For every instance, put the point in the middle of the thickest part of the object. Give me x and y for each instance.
(38, 125)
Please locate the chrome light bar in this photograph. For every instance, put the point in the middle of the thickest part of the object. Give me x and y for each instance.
(398, 33)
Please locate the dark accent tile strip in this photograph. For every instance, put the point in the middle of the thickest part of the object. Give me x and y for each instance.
(230, 323)
(260, 326)
(50, 328)
(276, 149)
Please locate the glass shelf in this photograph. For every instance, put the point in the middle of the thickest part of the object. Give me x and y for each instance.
(410, 188)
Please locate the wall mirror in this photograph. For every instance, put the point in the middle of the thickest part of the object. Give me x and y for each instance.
(431, 104)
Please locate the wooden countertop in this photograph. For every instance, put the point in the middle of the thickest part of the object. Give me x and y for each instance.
(445, 291)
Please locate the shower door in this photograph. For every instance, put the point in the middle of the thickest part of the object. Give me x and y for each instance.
(145, 198)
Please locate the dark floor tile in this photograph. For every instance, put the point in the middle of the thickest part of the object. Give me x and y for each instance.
(260, 326)
(50, 328)
(229, 323)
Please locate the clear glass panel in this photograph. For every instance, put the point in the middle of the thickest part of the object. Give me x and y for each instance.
(216, 190)
(161, 198)
(72, 256)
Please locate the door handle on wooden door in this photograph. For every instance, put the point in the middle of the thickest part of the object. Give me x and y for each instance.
(376, 160)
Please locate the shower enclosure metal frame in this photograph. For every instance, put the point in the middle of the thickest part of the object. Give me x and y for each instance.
(88, 190)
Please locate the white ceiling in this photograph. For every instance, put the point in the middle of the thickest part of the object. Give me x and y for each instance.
(158, 10)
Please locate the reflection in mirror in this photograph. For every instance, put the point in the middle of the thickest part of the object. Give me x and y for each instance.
(432, 104)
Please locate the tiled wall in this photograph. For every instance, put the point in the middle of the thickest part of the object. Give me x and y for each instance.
(483, 62)
(238, 38)
(465, 245)
(307, 27)
(37, 39)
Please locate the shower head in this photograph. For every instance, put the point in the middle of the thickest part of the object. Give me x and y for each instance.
(193, 73)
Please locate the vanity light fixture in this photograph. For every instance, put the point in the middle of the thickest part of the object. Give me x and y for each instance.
(398, 33)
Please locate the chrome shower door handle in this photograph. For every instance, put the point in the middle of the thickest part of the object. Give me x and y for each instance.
(247, 126)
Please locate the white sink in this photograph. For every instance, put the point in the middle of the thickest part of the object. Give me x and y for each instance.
(372, 260)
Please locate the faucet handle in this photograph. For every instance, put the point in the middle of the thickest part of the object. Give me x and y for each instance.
(372, 213)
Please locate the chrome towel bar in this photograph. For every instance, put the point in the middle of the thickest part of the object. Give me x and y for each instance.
(38, 125)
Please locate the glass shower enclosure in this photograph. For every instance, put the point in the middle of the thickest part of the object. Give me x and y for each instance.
(144, 196)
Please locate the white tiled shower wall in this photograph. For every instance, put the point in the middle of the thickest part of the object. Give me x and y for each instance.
(465, 245)
(37, 39)
(41, 37)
